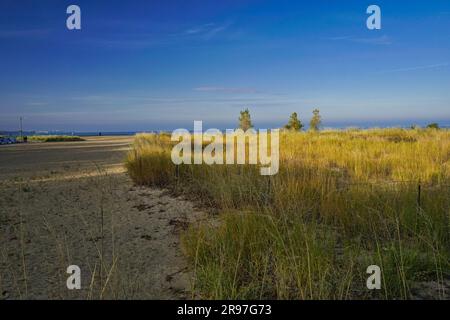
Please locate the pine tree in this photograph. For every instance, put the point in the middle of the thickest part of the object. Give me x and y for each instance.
(245, 121)
(294, 123)
(433, 125)
(316, 121)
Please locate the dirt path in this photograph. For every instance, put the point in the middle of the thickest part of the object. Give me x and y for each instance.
(73, 204)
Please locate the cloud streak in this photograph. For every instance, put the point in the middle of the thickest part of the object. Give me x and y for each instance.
(424, 67)
(232, 90)
(207, 31)
(381, 40)
(140, 40)
(198, 29)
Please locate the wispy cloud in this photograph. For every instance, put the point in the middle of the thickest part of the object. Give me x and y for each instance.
(139, 40)
(381, 40)
(424, 67)
(129, 41)
(234, 90)
(338, 38)
(199, 29)
(207, 31)
(36, 104)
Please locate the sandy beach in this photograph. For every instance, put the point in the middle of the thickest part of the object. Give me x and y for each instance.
(72, 203)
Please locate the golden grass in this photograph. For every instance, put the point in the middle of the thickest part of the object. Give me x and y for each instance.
(54, 138)
(342, 200)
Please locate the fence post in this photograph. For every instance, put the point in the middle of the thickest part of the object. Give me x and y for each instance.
(419, 192)
(269, 189)
(177, 176)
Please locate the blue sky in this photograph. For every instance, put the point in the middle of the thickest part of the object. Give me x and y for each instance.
(143, 65)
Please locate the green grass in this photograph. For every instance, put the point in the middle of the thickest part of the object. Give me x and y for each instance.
(342, 200)
(54, 138)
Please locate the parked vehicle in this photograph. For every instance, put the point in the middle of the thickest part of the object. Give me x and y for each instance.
(7, 140)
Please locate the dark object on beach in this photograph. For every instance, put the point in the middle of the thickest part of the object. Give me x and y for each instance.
(7, 140)
(25, 139)
(433, 125)
(99, 134)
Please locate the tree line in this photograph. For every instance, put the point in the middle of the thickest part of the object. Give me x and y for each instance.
(294, 123)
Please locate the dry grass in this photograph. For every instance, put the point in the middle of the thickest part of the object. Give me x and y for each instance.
(343, 200)
(54, 138)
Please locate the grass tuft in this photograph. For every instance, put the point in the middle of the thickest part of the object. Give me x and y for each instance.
(342, 200)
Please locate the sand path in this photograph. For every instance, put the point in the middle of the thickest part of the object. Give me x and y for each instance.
(72, 203)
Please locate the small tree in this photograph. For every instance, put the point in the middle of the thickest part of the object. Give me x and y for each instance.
(433, 125)
(245, 121)
(294, 123)
(316, 121)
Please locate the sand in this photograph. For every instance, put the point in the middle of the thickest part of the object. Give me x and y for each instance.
(72, 203)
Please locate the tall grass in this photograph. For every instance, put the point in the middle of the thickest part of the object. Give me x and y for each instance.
(342, 200)
(54, 138)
